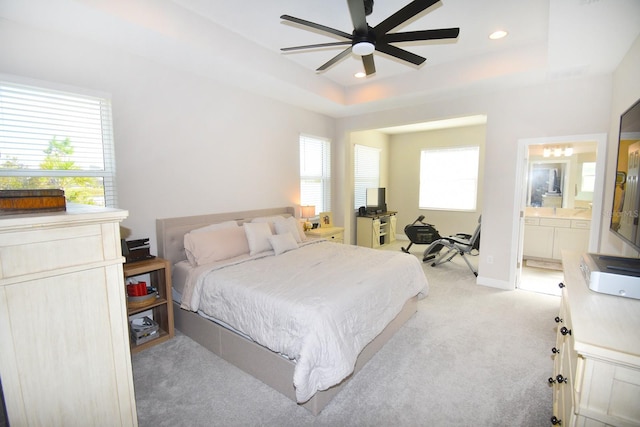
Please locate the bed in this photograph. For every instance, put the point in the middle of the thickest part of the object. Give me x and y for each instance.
(277, 305)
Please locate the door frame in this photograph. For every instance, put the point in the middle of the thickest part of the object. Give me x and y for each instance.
(521, 179)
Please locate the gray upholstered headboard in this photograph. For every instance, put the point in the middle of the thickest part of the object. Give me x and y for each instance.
(170, 231)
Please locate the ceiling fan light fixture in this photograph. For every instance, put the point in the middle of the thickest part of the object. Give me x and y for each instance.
(363, 48)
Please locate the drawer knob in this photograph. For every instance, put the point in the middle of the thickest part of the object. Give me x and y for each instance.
(555, 421)
(559, 379)
(565, 331)
(561, 285)
(554, 350)
(558, 319)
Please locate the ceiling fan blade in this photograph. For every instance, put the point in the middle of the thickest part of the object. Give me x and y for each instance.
(316, 26)
(358, 17)
(404, 14)
(410, 36)
(400, 53)
(313, 46)
(335, 59)
(369, 65)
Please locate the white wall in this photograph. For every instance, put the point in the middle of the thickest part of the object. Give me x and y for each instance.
(185, 145)
(405, 172)
(189, 145)
(626, 91)
(554, 108)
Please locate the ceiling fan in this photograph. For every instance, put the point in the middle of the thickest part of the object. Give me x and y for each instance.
(365, 39)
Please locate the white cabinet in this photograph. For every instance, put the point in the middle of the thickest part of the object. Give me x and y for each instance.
(376, 230)
(538, 240)
(63, 320)
(596, 378)
(548, 237)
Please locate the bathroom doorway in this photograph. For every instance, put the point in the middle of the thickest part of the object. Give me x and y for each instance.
(559, 198)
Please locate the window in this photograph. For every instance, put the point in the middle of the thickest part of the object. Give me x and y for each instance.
(588, 182)
(55, 139)
(366, 172)
(315, 173)
(449, 178)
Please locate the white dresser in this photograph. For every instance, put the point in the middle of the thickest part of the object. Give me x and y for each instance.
(596, 378)
(65, 357)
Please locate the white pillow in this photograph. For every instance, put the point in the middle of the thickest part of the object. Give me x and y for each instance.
(258, 236)
(215, 245)
(283, 242)
(289, 225)
(216, 226)
(269, 220)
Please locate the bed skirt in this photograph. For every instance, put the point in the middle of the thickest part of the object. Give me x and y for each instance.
(267, 366)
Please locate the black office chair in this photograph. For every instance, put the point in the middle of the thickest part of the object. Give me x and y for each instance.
(459, 244)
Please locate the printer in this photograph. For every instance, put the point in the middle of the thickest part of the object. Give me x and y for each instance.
(611, 275)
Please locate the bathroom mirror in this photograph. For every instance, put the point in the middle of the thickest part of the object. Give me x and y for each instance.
(561, 176)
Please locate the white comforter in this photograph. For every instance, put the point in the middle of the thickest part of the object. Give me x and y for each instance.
(318, 305)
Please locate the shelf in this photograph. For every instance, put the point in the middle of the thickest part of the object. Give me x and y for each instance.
(164, 336)
(143, 267)
(159, 273)
(158, 302)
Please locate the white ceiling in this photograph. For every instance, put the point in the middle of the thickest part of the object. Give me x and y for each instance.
(239, 43)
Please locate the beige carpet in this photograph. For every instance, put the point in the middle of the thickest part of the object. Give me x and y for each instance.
(470, 356)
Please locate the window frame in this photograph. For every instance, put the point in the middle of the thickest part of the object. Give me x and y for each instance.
(14, 133)
(446, 179)
(365, 159)
(316, 172)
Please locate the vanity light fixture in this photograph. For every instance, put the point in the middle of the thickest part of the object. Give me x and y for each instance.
(557, 151)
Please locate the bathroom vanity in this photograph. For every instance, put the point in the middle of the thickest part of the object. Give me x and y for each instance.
(548, 231)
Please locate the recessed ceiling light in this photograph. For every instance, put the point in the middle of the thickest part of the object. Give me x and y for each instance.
(360, 75)
(498, 34)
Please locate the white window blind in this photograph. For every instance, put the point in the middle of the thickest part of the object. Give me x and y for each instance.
(315, 173)
(449, 178)
(366, 172)
(55, 139)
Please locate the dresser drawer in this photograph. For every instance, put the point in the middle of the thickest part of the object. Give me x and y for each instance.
(336, 238)
(580, 223)
(52, 248)
(555, 222)
(531, 221)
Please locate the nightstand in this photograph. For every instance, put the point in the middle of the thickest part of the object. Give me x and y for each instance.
(333, 234)
(159, 271)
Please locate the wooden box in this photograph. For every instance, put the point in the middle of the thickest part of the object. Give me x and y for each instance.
(31, 201)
